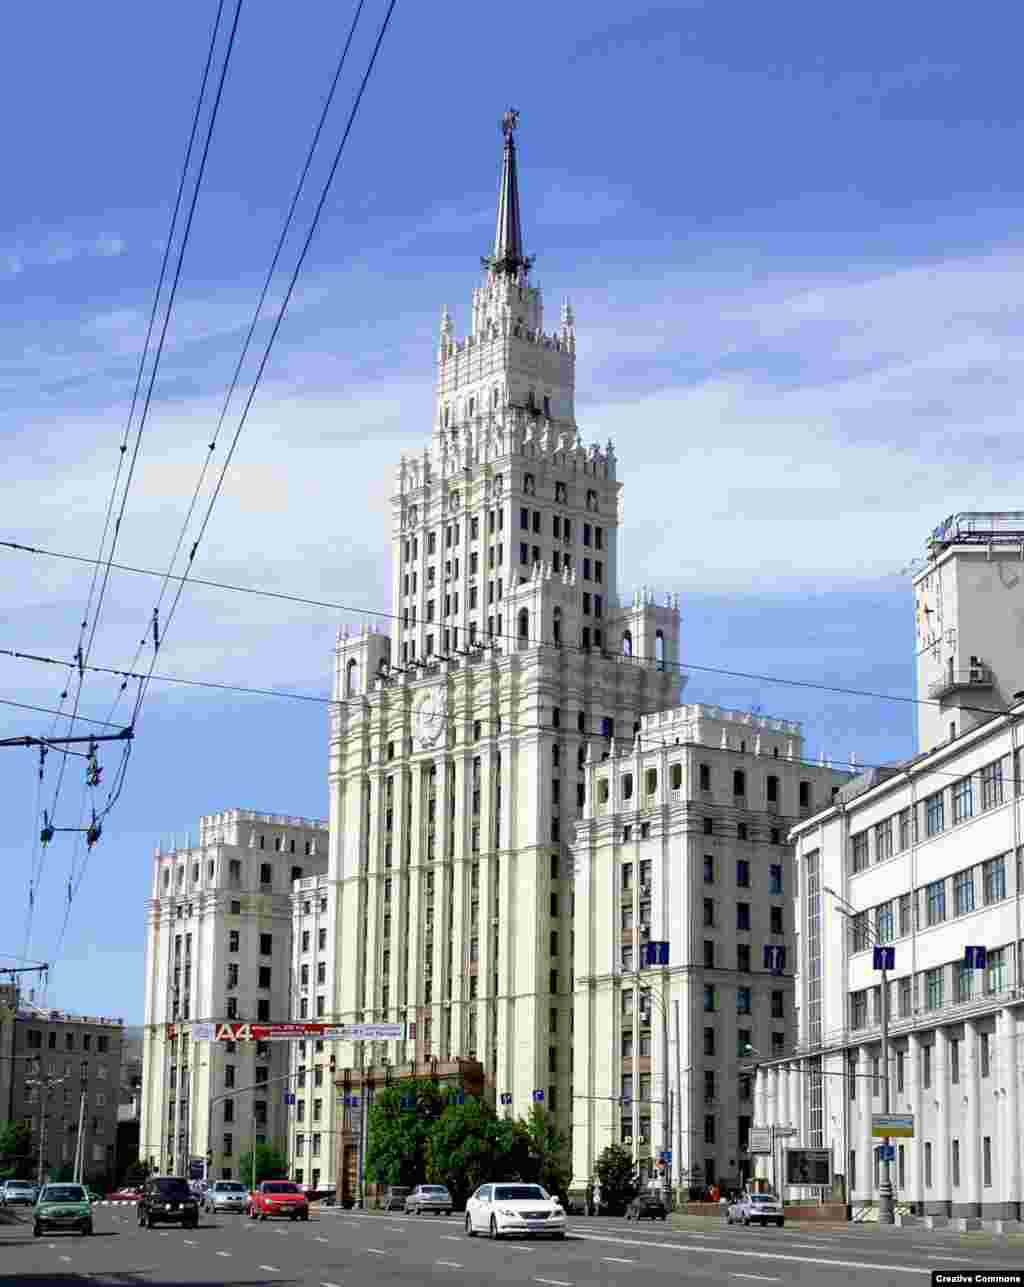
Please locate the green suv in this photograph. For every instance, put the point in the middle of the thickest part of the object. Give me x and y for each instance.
(62, 1206)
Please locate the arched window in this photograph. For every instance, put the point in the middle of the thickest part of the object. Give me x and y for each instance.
(556, 626)
(592, 500)
(523, 627)
(529, 484)
(627, 644)
(659, 649)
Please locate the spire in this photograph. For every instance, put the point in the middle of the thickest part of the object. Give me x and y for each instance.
(508, 257)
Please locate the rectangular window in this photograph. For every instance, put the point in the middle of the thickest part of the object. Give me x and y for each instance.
(992, 785)
(954, 1062)
(743, 957)
(885, 923)
(901, 1061)
(936, 902)
(859, 1009)
(994, 880)
(778, 1005)
(775, 878)
(906, 925)
(743, 996)
(963, 892)
(743, 873)
(883, 840)
(985, 1052)
(859, 851)
(926, 1067)
(742, 916)
(996, 973)
(906, 828)
(710, 999)
(963, 800)
(935, 814)
(934, 988)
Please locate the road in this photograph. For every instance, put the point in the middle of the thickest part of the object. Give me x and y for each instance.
(351, 1249)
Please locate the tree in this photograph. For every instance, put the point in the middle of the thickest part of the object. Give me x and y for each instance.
(614, 1170)
(469, 1144)
(548, 1157)
(397, 1130)
(271, 1164)
(63, 1173)
(16, 1150)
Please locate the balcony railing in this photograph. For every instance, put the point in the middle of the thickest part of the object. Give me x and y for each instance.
(971, 678)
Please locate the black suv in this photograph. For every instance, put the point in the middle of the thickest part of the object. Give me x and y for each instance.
(168, 1200)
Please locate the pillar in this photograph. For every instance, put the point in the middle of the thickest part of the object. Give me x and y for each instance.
(1009, 1143)
(916, 1145)
(970, 1145)
(865, 1159)
(943, 1200)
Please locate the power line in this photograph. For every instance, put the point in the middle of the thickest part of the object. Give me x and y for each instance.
(533, 641)
(48, 710)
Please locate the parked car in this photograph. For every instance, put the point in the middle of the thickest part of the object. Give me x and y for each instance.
(394, 1197)
(278, 1198)
(226, 1195)
(756, 1208)
(501, 1209)
(328, 1196)
(129, 1194)
(429, 1197)
(647, 1206)
(20, 1193)
(168, 1200)
(62, 1206)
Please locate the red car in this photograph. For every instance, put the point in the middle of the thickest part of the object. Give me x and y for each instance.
(278, 1198)
(124, 1195)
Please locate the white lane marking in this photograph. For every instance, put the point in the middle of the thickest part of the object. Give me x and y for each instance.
(67, 1258)
(223, 1253)
(554, 1282)
(188, 1242)
(449, 1237)
(164, 1235)
(763, 1278)
(616, 1260)
(759, 1255)
(317, 1238)
(330, 1285)
(449, 1264)
(271, 1269)
(378, 1252)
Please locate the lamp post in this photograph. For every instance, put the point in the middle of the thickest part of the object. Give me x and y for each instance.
(657, 954)
(885, 959)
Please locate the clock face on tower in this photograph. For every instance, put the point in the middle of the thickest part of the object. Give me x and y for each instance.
(431, 718)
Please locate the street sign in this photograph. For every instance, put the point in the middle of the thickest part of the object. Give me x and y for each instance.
(505, 1097)
(809, 1166)
(892, 1125)
(666, 1156)
(289, 1098)
(884, 958)
(368, 1032)
(975, 957)
(298, 1031)
(760, 1140)
(775, 958)
(887, 1152)
(538, 1097)
(655, 954)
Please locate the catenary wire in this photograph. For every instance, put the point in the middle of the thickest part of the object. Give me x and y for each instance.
(279, 319)
(48, 710)
(534, 642)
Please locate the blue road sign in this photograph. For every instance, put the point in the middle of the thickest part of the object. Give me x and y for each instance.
(774, 958)
(887, 1152)
(538, 1097)
(289, 1098)
(505, 1097)
(884, 958)
(656, 954)
(975, 957)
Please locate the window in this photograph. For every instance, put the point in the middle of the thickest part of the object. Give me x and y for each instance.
(934, 814)
(963, 800)
(933, 982)
(743, 957)
(996, 974)
(986, 1161)
(709, 1128)
(263, 1011)
(985, 1052)
(883, 840)
(266, 944)
(778, 1005)
(709, 869)
(928, 1166)
(775, 878)
(885, 923)
(905, 917)
(963, 892)
(743, 1000)
(994, 880)
(859, 1010)
(710, 999)
(264, 976)
(710, 1087)
(956, 1163)
(906, 836)
(935, 894)
(954, 1062)
(709, 954)
(266, 874)
(709, 912)
(964, 979)
(776, 920)
(704, 776)
(743, 916)
(992, 785)
(905, 997)
(743, 873)
(859, 851)
(739, 782)
(709, 826)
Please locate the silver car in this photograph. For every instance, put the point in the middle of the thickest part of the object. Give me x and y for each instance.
(756, 1208)
(226, 1195)
(429, 1197)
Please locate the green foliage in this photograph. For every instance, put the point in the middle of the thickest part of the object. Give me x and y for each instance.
(548, 1160)
(614, 1170)
(469, 1144)
(16, 1161)
(271, 1164)
(396, 1137)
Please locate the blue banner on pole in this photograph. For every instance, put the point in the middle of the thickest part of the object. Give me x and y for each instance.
(884, 958)
(774, 958)
(538, 1097)
(505, 1097)
(975, 957)
(656, 954)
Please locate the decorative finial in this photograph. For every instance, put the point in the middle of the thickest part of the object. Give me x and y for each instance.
(509, 122)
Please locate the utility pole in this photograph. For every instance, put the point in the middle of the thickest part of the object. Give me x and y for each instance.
(45, 1084)
(80, 1141)
(666, 1117)
(678, 1155)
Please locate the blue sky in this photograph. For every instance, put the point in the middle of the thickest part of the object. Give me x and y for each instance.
(792, 237)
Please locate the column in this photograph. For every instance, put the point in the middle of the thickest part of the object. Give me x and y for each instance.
(942, 1148)
(916, 1145)
(971, 1143)
(760, 1097)
(865, 1159)
(796, 1075)
(1009, 1146)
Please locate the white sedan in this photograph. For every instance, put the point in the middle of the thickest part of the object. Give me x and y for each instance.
(527, 1209)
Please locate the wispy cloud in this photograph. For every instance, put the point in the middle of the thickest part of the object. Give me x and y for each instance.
(58, 248)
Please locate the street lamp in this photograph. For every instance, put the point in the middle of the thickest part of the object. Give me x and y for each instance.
(884, 960)
(657, 954)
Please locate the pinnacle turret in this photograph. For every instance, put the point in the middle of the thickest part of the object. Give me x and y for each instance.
(508, 259)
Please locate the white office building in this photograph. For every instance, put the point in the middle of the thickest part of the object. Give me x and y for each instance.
(684, 844)
(219, 950)
(924, 857)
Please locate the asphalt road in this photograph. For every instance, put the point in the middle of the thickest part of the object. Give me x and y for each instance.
(349, 1249)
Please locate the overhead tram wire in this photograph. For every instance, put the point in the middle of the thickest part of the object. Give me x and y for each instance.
(38, 850)
(84, 654)
(510, 638)
(650, 740)
(314, 224)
